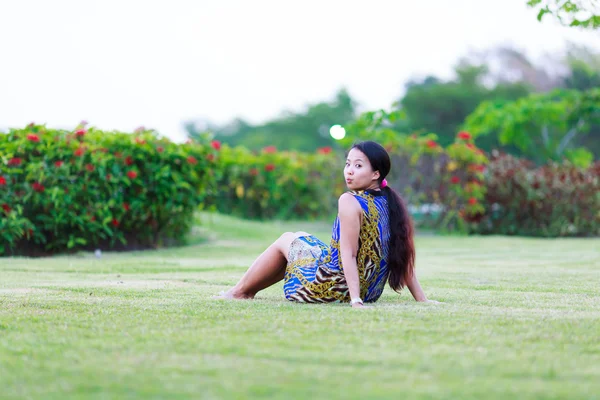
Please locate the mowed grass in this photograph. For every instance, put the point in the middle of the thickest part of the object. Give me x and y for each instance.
(520, 319)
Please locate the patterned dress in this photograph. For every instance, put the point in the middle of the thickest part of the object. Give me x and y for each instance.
(314, 273)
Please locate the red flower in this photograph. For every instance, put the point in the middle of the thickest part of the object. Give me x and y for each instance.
(128, 160)
(33, 137)
(2, 181)
(455, 179)
(160, 149)
(431, 144)
(58, 164)
(472, 201)
(270, 149)
(38, 187)
(79, 152)
(115, 222)
(253, 171)
(470, 145)
(93, 219)
(216, 145)
(324, 150)
(210, 157)
(132, 174)
(269, 167)
(140, 141)
(15, 161)
(192, 160)
(126, 206)
(464, 135)
(108, 176)
(117, 154)
(80, 132)
(66, 190)
(6, 208)
(90, 167)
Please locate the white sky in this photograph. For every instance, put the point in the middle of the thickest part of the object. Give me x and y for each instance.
(120, 64)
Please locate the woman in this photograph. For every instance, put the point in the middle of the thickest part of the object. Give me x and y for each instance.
(372, 242)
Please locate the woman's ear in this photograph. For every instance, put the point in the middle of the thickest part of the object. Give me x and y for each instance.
(376, 175)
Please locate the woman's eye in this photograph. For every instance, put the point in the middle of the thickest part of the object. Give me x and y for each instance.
(357, 165)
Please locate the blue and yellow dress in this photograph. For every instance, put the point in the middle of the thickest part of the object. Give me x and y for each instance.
(314, 272)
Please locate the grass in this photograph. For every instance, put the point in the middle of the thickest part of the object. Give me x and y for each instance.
(521, 319)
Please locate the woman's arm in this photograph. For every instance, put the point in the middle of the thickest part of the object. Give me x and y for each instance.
(349, 212)
(415, 288)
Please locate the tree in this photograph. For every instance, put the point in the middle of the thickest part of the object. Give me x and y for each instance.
(583, 68)
(441, 107)
(542, 126)
(304, 131)
(581, 13)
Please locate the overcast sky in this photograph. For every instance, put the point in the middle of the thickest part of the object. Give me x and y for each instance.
(120, 64)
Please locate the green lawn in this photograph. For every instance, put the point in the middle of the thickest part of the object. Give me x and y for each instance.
(521, 320)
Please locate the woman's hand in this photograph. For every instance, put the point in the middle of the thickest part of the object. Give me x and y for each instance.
(359, 305)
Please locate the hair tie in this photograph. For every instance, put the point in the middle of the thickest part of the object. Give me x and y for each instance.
(383, 183)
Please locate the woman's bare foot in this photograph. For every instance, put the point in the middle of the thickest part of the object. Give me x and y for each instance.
(231, 295)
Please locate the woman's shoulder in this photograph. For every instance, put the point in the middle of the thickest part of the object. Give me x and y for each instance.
(362, 195)
(348, 198)
(348, 201)
(349, 208)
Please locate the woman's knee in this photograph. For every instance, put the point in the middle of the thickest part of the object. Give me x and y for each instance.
(290, 236)
(286, 237)
(284, 242)
(301, 233)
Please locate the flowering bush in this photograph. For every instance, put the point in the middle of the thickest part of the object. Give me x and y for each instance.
(449, 180)
(76, 189)
(549, 201)
(447, 183)
(462, 191)
(274, 184)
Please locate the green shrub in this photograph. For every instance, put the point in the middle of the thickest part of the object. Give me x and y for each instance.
(64, 190)
(278, 184)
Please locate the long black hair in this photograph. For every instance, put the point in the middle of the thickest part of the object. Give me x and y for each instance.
(401, 255)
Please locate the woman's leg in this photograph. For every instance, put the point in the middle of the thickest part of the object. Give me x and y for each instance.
(266, 270)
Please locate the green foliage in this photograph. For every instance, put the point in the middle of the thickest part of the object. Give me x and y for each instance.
(436, 106)
(278, 184)
(62, 190)
(556, 199)
(302, 131)
(543, 125)
(575, 13)
(380, 126)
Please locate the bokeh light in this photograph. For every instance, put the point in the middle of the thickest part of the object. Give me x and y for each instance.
(337, 132)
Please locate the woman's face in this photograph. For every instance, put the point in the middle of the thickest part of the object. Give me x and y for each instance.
(358, 172)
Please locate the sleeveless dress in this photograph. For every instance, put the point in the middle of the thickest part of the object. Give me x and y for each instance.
(314, 271)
